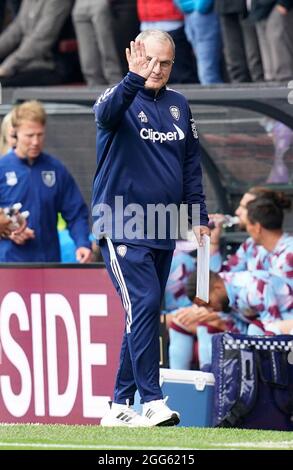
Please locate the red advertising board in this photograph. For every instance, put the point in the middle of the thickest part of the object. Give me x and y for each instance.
(60, 336)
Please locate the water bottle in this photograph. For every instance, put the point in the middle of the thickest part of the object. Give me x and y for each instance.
(230, 220)
(227, 221)
(12, 210)
(16, 217)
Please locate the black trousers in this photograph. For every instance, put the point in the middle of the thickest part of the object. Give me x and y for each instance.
(184, 68)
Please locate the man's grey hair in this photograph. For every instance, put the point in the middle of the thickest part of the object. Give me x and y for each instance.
(159, 35)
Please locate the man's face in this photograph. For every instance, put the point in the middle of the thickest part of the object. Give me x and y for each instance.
(218, 297)
(241, 211)
(164, 53)
(30, 139)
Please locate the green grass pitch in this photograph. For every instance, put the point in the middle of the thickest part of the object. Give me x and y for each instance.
(55, 437)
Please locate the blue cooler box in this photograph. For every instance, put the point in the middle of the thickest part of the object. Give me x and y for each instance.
(190, 392)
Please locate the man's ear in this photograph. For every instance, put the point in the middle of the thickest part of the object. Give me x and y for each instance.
(258, 228)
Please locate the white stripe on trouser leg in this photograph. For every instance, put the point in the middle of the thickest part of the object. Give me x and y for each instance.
(118, 275)
(122, 284)
(124, 292)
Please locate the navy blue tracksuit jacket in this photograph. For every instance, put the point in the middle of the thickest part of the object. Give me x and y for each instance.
(147, 152)
(44, 188)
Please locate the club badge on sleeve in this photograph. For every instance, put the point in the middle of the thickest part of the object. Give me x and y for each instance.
(175, 112)
(11, 178)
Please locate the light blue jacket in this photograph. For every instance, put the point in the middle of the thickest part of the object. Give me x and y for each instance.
(188, 6)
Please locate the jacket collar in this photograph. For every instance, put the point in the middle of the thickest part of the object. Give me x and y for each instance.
(25, 160)
(151, 95)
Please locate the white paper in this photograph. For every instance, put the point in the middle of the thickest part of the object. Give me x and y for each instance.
(203, 270)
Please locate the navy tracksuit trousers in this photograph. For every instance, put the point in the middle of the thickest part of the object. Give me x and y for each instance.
(139, 274)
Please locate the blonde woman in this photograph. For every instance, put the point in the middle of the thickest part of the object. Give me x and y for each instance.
(7, 135)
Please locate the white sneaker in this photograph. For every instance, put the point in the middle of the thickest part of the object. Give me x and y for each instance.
(121, 415)
(157, 413)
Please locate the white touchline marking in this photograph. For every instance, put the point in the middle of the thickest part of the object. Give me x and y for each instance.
(81, 446)
(265, 445)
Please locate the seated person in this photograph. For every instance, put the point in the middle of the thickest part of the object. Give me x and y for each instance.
(184, 324)
(250, 255)
(267, 249)
(264, 225)
(183, 327)
(261, 211)
(27, 44)
(262, 301)
(259, 297)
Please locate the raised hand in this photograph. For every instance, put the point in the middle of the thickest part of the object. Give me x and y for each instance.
(137, 60)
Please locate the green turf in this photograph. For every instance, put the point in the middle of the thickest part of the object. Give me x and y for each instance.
(95, 437)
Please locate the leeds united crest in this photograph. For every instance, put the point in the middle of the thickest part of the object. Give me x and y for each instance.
(121, 250)
(49, 178)
(175, 113)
